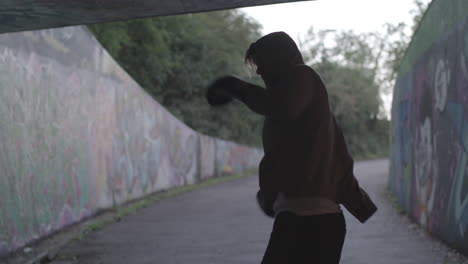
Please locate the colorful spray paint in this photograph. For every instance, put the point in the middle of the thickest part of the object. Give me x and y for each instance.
(429, 167)
(77, 134)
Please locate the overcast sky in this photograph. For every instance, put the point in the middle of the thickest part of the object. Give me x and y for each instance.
(358, 15)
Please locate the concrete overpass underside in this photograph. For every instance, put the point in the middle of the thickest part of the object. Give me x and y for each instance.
(26, 15)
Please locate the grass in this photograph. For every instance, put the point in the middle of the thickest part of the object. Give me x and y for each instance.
(119, 212)
(394, 201)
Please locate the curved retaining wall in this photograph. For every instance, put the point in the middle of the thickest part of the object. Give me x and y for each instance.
(429, 166)
(78, 134)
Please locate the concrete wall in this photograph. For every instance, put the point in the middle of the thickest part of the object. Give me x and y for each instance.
(77, 135)
(429, 167)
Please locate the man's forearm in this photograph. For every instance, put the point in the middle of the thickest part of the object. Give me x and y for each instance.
(251, 95)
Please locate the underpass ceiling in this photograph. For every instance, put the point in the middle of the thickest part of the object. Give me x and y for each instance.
(21, 15)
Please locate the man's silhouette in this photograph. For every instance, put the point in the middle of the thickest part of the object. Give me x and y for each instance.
(306, 171)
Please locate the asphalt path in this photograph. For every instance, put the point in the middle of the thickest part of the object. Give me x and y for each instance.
(221, 224)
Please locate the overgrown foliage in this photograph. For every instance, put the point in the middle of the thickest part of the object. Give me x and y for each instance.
(174, 58)
(350, 65)
(358, 69)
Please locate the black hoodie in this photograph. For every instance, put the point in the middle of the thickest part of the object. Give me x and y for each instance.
(305, 151)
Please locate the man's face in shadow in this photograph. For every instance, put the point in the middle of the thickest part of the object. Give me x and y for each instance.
(274, 56)
(263, 72)
(268, 70)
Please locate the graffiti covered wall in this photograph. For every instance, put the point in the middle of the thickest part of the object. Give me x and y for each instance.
(77, 135)
(429, 166)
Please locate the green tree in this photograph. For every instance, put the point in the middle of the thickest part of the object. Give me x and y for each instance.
(174, 58)
(358, 69)
(351, 67)
(398, 37)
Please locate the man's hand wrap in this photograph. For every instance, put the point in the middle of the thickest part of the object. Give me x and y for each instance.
(222, 90)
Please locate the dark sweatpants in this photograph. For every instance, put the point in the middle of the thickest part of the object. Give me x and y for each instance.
(316, 239)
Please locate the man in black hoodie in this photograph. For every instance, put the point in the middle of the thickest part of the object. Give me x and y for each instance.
(306, 171)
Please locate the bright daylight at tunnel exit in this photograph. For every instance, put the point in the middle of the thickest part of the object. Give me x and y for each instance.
(256, 131)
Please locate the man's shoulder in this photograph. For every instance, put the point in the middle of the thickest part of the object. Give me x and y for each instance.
(302, 68)
(305, 71)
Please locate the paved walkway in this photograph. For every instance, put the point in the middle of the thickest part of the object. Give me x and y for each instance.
(221, 224)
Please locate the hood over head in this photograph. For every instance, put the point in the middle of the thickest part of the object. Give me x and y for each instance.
(277, 50)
